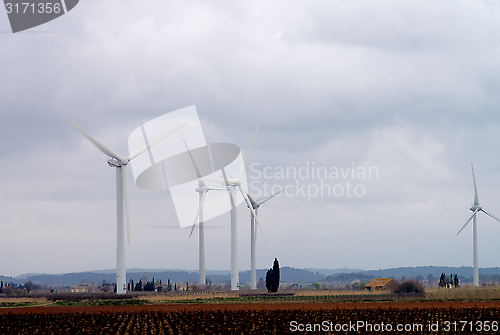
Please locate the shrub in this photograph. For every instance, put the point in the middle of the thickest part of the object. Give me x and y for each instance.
(410, 286)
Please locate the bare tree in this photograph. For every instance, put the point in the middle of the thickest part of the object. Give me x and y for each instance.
(28, 286)
(8, 290)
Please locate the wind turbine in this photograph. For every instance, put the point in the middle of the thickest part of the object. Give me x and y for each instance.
(476, 208)
(202, 190)
(253, 235)
(122, 197)
(234, 184)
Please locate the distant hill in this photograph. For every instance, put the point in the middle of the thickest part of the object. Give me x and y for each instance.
(95, 277)
(288, 275)
(6, 279)
(347, 277)
(330, 272)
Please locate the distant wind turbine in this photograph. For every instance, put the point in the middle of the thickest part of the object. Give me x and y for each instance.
(202, 189)
(122, 197)
(476, 208)
(234, 184)
(253, 235)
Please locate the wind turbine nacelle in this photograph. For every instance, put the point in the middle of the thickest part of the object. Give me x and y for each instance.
(115, 163)
(474, 207)
(255, 206)
(203, 188)
(233, 182)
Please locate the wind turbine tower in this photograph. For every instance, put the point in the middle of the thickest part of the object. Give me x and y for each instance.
(202, 190)
(122, 197)
(253, 236)
(475, 208)
(234, 184)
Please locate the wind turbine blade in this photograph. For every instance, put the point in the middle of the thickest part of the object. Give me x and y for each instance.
(199, 211)
(476, 198)
(213, 188)
(262, 200)
(104, 149)
(473, 214)
(192, 229)
(127, 200)
(490, 215)
(233, 200)
(248, 152)
(243, 193)
(250, 198)
(198, 174)
(149, 145)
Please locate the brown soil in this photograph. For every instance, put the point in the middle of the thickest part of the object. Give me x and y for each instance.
(166, 308)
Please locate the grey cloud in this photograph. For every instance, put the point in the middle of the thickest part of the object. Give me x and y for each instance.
(409, 87)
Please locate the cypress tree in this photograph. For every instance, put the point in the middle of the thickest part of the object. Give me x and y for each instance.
(138, 286)
(441, 280)
(273, 277)
(276, 273)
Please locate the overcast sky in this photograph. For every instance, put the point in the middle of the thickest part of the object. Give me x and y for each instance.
(410, 89)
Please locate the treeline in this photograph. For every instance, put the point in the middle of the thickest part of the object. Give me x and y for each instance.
(11, 288)
(435, 271)
(153, 285)
(145, 286)
(488, 279)
(94, 277)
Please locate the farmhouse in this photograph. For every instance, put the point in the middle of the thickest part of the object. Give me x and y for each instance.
(79, 289)
(388, 285)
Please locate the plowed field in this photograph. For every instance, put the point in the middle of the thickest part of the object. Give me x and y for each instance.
(258, 318)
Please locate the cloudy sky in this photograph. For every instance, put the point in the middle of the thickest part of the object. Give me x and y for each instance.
(408, 89)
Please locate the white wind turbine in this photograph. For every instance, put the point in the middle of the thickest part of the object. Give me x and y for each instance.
(233, 184)
(202, 190)
(476, 208)
(122, 197)
(253, 235)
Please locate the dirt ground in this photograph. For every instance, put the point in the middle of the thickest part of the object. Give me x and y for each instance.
(165, 308)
